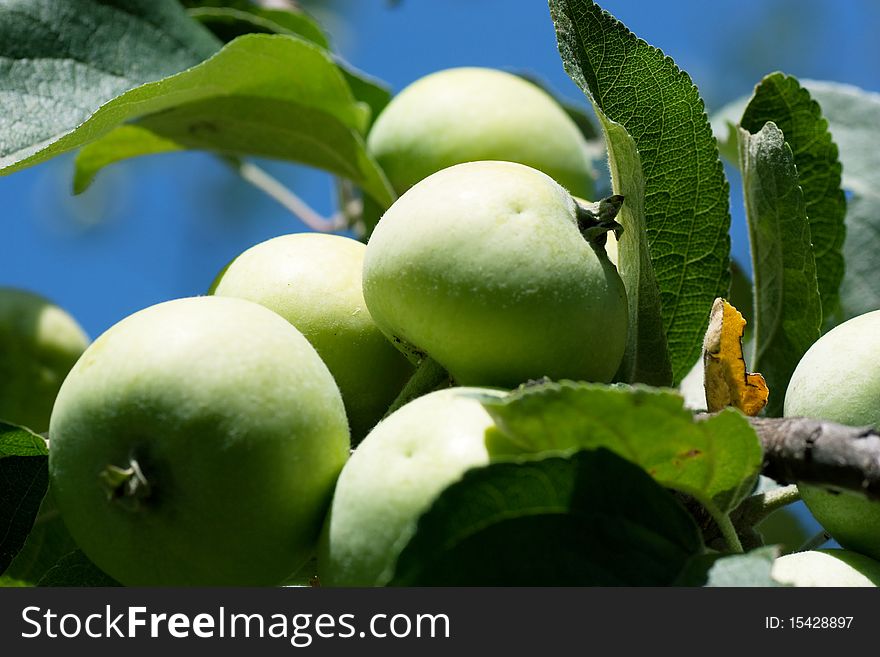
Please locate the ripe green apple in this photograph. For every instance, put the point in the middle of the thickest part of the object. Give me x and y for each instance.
(826, 568)
(838, 380)
(393, 477)
(483, 267)
(197, 442)
(469, 114)
(314, 282)
(39, 343)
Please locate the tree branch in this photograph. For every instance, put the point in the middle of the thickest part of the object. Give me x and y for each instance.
(262, 180)
(797, 450)
(821, 453)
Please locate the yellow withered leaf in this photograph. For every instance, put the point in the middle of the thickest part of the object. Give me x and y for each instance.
(725, 378)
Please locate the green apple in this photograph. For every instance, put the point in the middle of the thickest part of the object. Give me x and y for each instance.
(393, 477)
(39, 343)
(314, 282)
(826, 568)
(197, 442)
(483, 267)
(838, 380)
(469, 114)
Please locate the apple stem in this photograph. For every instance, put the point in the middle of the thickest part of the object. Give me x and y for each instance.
(429, 376)
(126, 486)
(596, 219)
(728, 531)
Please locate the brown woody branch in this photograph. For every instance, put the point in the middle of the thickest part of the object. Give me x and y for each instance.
(821, 453)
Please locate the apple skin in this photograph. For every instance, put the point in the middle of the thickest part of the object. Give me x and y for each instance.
(39, 343)
(393, 477)
(469, 114)
(826, 568)
(314, 282)
(236, 424)
(838, 380)
(482, 266)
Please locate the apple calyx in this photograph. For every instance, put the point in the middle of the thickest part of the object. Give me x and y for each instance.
(127, 487)
(595, 220)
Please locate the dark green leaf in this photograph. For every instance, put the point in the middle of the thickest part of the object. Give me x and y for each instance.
(62, 60)
(75, 569)
(229, 19)
(664, 160)
(18, 441)
(780, 99)
(854, 116)
(246, 100)
(715, 461)
(788, 315)
(46, 543)
(24, 476)
(589, 519)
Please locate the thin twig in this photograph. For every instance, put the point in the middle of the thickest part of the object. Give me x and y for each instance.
(262, 180)
(815, 542)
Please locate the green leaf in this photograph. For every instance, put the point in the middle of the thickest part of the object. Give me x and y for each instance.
(124, 142)
(60, 61)
(749, 569)
(46, 543)
(588, 519)
(788, 312)
(229, 19)
(664, 160)
(853, 117)
(366, 89)
(19, 441)
(246, 100)
(719, 570)
(781, 99)
(24, 476)
(715, 461)
(75, 569)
